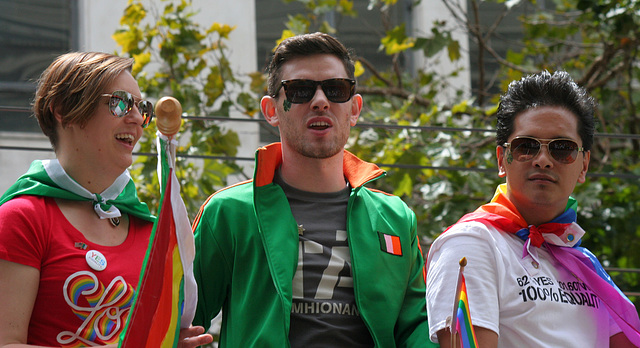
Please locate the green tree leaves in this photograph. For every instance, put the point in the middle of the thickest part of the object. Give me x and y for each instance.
(439, 153)
(176, 56)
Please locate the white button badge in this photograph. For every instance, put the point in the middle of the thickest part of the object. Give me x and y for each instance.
(96, 260)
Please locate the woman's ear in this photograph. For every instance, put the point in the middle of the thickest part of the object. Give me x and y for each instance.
(56, 114)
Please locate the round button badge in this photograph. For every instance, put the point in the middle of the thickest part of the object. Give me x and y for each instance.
(96, 260)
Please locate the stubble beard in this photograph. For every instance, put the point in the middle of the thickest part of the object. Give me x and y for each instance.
(316, 148)
(320, 149)
(318, 152)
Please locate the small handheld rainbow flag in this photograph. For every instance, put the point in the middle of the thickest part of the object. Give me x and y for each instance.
(461, 325)
(167, 292)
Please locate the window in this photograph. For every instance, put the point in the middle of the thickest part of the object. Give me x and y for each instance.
(32, 34)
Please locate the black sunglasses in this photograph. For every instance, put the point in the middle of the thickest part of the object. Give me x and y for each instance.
(301, 91)
(121, 103)
(525, 149)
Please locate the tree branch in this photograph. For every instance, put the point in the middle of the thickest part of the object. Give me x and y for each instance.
(394, 92)
(374, 71)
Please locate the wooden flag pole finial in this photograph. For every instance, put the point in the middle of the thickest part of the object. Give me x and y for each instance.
(463, 262)
(168, 115)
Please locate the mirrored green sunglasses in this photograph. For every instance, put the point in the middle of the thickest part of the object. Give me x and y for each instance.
(122, 102)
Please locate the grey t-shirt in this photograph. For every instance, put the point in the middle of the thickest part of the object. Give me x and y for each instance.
(324, 312)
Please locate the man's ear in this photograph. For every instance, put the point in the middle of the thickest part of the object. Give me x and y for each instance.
(268, 106)
(502, 170)
(356, 107)
(585, 166)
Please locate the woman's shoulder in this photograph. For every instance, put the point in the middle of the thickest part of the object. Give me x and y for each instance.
(25, 229)
(25, 204)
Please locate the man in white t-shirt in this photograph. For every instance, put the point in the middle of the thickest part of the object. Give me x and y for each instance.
(528, 282)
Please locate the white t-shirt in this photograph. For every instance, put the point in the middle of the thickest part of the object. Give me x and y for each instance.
(527, 304)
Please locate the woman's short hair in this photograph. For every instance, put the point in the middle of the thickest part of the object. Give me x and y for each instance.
(72, 86)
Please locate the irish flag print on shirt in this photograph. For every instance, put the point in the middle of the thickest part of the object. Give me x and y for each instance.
(390, 244)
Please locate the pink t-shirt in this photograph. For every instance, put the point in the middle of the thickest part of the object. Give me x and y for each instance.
(76, 304)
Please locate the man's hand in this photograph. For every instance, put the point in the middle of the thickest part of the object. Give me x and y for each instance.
(193, 336)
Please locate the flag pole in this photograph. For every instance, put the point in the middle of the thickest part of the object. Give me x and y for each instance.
(454, 317)
(169, 119)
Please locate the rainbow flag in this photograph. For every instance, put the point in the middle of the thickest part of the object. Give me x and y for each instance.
(167, 292)
(464, 327)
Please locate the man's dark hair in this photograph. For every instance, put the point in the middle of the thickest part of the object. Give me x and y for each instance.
(545, 89)
(303, 46)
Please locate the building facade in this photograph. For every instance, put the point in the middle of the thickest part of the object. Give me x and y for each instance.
(34, 32)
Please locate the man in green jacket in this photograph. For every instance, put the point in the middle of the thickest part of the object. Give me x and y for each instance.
(304, 255)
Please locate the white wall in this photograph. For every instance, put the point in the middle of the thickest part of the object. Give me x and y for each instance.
(424, 14)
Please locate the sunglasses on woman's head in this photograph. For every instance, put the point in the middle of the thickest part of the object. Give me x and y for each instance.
(121, 103)
(301, 91)
(525, 149)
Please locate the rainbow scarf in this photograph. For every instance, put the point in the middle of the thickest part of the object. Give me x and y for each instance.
(562, 237)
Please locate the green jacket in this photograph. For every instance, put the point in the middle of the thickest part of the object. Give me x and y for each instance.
(246, 269)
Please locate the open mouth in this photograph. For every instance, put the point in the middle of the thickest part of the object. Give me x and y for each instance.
(125, 138)
(319, 125)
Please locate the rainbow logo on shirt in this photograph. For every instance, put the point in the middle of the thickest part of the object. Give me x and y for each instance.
(103, 311)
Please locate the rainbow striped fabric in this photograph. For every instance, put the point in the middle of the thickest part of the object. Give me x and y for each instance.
(581, 262)
(167, 292)
(464, 327)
